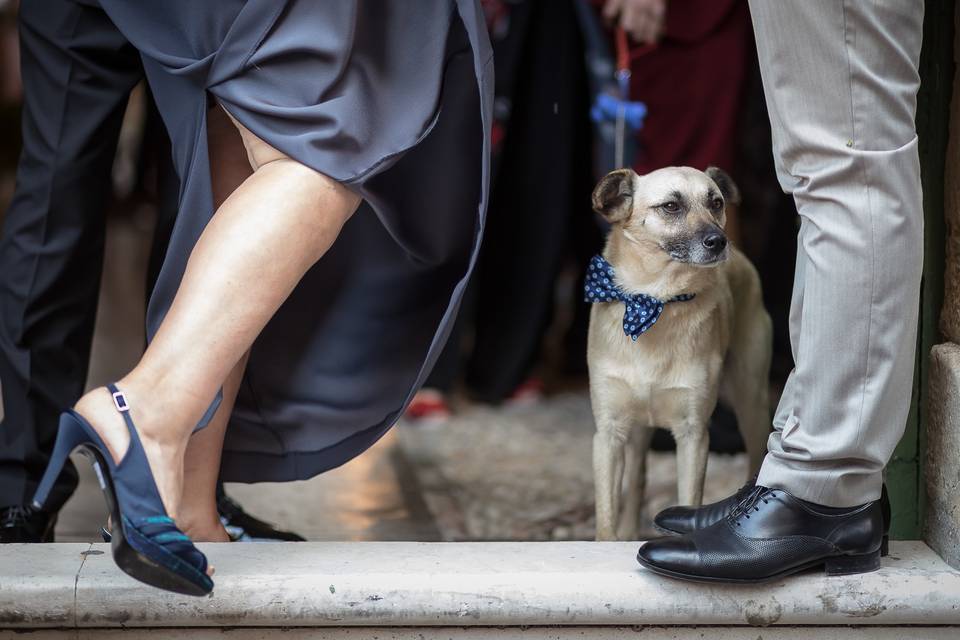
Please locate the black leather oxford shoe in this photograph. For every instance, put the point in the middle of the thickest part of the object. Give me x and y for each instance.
(771, 534)
(26, 524)
(680, 520)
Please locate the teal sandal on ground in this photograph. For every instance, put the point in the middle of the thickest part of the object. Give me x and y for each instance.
(146, 543)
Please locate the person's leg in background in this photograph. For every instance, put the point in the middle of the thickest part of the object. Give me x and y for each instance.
(841, 82)
(431, 404)
(535, 194)
(508, 25)
(537, 190)
(51, 250)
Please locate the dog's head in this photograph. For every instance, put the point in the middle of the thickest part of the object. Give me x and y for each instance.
(680, 210)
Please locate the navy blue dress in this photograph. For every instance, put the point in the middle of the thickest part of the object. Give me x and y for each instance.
(391, 98)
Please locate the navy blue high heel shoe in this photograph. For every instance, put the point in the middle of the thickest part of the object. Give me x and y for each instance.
(146, 543)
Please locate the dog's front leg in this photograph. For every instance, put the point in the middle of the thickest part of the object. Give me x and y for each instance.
(608, 445)
(634, 482)
(693, 444)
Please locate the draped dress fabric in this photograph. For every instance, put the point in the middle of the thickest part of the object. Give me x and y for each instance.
(391, 98)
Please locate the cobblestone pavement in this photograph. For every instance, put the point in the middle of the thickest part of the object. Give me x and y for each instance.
(525, 473)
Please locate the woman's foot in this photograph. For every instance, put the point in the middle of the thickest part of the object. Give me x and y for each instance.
(164, 453)
(200, 519)
(205, 531)
(161, 444)
(198, 533)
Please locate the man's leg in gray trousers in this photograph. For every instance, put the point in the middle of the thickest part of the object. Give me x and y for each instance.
(841, 82)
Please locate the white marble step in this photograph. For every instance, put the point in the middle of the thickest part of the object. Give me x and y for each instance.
(399, 584)
(496, 633)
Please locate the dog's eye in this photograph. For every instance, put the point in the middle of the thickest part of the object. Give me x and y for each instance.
(716, 204)
(670, 207)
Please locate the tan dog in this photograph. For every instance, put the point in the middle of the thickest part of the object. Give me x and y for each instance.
(666, 241)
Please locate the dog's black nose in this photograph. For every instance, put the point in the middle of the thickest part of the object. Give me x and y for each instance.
(714, 241)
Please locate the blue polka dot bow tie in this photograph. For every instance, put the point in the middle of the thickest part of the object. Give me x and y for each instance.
(641, 311)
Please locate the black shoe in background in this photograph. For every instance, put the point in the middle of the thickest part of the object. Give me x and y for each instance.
(242, 527)
(26, 524)
(769, 535)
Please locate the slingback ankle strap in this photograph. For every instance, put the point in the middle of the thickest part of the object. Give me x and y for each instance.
(121, 405)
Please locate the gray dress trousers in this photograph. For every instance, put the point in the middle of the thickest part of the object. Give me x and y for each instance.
(841, 80)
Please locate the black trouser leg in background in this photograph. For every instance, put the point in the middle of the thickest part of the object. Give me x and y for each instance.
(535, 193)
(77, 73)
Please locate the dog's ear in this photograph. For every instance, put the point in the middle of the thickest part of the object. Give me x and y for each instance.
(731, 194)
(613, 196)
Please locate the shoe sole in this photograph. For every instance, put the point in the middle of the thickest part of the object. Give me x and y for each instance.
(669, 532)
(132, 562)
(841, 565)
(884, 545)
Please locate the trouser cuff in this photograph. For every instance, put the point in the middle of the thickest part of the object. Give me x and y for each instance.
(814, 482)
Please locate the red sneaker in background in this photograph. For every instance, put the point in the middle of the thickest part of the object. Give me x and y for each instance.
(428, 407)
(530, 392)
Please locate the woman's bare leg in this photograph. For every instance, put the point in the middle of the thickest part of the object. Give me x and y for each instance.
(197, 515)
(254, 251)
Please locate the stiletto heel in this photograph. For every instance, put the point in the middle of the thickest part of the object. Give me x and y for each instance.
(69, 437)
(146, 543)
(846, 565)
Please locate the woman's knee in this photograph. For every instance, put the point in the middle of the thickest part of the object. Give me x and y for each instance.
(261, 154)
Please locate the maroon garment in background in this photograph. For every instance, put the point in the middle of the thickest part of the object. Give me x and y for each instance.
(692, 82)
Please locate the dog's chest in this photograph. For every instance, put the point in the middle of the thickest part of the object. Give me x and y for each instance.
(650, 367)
(660, 370)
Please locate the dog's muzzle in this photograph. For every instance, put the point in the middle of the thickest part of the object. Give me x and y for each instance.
(709, 248)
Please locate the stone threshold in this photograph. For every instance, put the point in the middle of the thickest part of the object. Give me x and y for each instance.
(542, 589)
(497, 633)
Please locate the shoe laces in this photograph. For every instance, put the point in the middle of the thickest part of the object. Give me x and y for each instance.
(751, 503)
(748, 487)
